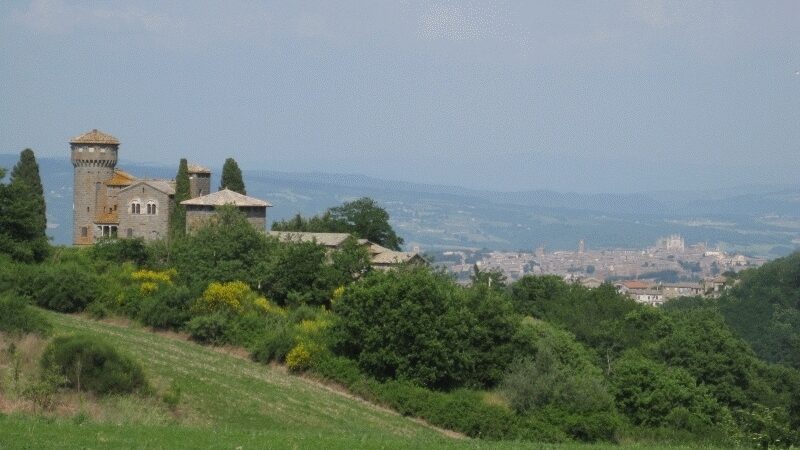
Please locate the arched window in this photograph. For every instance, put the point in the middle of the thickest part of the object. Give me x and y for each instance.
(151, 207)
(136, 207)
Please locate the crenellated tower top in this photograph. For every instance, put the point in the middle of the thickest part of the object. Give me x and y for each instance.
(94, 149)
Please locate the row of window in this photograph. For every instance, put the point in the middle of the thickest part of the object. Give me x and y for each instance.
(150, 208)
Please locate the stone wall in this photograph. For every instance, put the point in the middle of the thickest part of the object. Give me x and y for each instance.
(196, 216)
(148, 226)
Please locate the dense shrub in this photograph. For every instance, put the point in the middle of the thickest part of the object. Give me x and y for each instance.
(652, 394)
(120, 250)
(90, 364)
(209, 329)
(63, 287)
(275, 344)
(17, 317)
(418, 325)
(299, 358)
(166, 308)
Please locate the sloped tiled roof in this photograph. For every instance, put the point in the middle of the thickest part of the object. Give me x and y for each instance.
(165, 186)
(94, 137)
(636, 284)
(225, 197)
(109, 217)
(324, 239)
(196, 168)
(120, 178)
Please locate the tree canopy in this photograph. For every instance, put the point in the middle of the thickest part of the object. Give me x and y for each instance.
(23, 221)
(363, 217)
(232, 177)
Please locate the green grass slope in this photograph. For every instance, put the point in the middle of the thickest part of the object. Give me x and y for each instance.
(228, 402)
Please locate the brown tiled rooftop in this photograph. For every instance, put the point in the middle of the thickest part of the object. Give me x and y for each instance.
(225, 197)
(120, 178)
(94, 137)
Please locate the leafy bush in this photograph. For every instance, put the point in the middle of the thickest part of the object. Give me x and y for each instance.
(17, 317)
(209, 329)
(166, 308)
(63, 288)
(652, 394)
(90, 364)
(299, 358)
(120, 251)
(275, 344)
(418, 325)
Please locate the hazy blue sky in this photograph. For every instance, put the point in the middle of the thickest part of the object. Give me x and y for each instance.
(585, 96)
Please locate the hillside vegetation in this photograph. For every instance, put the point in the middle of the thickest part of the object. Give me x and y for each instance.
(226, 401)
(537, 360)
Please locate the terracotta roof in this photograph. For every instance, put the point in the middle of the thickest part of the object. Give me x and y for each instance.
(196, 168)
(94, 137)
(225, 197)
(165, 186)
(325, 239)
(636, 284)
(111, 217)
(120, 178)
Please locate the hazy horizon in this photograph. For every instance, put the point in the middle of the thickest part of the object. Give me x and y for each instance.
(615, 97)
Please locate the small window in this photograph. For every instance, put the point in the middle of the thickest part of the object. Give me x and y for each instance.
(87, 209)
(84, 232)
(129, 233)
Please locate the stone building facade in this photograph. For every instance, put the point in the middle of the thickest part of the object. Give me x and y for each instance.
(199, 210)
(108, 202)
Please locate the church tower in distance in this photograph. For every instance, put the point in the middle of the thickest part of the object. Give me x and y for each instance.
(94, 156)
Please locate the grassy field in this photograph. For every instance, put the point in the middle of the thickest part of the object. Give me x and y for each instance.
(227, 402)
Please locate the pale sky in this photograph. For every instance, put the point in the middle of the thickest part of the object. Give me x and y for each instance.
(572, 96)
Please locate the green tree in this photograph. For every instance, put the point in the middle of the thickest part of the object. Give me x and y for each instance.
(227, 248)
(182, 187)
(232, 177)
(362, 217)
(22, 212)
(654, 394)
(418, 325)
(367, 220)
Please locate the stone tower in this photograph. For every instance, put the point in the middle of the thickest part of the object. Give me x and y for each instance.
(199, 181)
(94, 156)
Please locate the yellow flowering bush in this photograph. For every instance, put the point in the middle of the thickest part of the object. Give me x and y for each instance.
(263, 305)
(299, 358)
(337, 294)
(231, 296)
(154, 276)
(148, 287)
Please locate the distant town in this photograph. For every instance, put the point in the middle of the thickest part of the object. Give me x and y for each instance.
(668, 269)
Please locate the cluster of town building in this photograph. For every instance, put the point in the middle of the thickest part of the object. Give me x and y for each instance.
(666, 270)
(111, 203)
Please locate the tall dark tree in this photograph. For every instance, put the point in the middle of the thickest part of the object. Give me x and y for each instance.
(182, 188)
(22, 212)
(232, 177)
(26, 173)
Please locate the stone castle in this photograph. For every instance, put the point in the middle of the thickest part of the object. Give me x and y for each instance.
(108, 202)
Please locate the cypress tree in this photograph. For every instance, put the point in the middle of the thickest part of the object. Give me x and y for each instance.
(232, 177)
(182, 187)
(26, 173)
(23, 222)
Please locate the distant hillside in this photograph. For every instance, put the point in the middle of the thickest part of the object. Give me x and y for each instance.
(760, 220)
